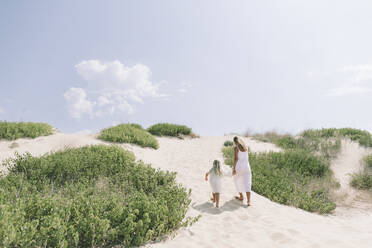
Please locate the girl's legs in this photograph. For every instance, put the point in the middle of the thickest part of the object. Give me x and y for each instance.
(214, 197)
(217, 200)
(248, 198)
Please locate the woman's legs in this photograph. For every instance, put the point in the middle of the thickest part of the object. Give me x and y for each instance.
(248, 198)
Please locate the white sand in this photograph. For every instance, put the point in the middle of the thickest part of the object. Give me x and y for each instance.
(264, 224)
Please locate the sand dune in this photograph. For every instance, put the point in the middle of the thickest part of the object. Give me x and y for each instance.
(264, 224)
(350, 200)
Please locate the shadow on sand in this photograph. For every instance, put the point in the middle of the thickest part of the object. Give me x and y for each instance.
(209, 208)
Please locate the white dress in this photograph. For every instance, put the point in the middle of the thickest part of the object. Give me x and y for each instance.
(215, 180)
(243, 177)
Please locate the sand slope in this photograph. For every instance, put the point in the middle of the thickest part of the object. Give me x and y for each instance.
(264, 224)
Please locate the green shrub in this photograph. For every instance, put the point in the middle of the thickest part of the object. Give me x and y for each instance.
(166, 129)
(368, 161)
(95, 196)
(363, 137)
(129, 133)
(285, 177)
(16, 130)
(287, 142)
(228, 154)
(319, 133)
(324, 142)
(228, 143)
(361, 180)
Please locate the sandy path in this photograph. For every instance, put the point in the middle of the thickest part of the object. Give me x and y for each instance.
(349, 161)
(264, 224)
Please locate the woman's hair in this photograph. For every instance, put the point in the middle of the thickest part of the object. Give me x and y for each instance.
(240, 143)
(216, 169)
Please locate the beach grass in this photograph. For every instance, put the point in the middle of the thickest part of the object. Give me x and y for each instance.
(168, 129)
(368, 161)
(94, 196)
(129, 133)
(321, 142)
(16, 130)
(289, 177)
(314, 138)
(363, 180)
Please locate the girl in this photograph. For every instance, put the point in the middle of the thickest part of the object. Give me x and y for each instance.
(215, 174)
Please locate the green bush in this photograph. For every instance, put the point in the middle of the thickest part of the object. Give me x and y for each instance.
(363, 137)
(324, 142)
(228, 143)
(368, 161)
(285, 177)
(129, 133)
(16, 130)
(95, 196)
(166, 129)
(361, 180)
(319, 133)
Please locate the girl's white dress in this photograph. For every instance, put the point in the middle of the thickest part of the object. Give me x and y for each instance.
(243, 177)
(215, 180)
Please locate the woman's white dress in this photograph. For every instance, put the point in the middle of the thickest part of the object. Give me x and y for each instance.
(243, 177)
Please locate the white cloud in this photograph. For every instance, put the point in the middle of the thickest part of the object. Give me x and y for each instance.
(78, 103)
(185, 87)
(115, 88)
(358, 80)
(348, 90)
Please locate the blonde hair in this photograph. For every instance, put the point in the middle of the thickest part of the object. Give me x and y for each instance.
(216, 169)
(241, 144)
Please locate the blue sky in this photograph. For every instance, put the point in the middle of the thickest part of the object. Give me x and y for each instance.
(217, 66)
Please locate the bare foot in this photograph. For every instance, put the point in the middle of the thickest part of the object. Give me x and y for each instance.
(238, 198)
(248, 204)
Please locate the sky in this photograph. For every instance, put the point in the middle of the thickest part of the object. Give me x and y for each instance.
(217, 66)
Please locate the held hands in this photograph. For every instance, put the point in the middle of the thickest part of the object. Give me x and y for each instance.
(234, 172)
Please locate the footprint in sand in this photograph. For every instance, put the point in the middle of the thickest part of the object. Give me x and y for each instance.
(292, 231)
(244, 217)
(279, 237)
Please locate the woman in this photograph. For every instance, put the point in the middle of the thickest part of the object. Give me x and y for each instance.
(242, 170)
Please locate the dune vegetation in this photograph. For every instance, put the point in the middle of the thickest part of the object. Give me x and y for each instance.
(291, 177)
(300, 175)
(94, 196)
(317, 139)
(228, 143)
(326, 143)
(16, 130)
(322, 142)
(129, 133)
(167, 129)
(363, 179)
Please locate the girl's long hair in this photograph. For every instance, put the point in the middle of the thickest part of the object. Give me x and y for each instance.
(216, 169)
